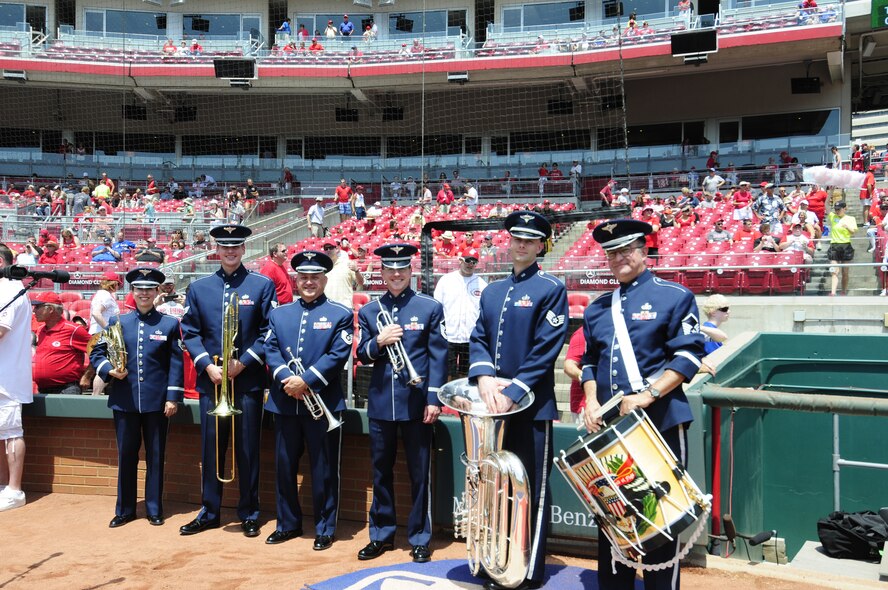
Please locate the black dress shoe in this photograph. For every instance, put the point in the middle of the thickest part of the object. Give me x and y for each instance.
(525, 585)
(196, 526)
(121, 520)
(374, 549)
(250, 528)
(323, 542)
(421, 553)
(281, 536)
(155, 519)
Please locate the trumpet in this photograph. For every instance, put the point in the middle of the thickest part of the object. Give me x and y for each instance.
(224, 406)
(312, 400)
(396, 352)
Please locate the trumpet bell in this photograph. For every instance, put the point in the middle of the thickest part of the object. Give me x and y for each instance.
(224, 409)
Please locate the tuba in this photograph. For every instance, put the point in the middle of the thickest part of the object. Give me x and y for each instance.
(493, 514)
(112, 337)
(225, 390)
(312, 400)
(396, 352)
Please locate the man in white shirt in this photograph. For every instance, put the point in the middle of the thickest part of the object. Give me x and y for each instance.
(15, 385)
(470, 198)
(344, 279)
(316, 218)
(459, 292)
(576, 173)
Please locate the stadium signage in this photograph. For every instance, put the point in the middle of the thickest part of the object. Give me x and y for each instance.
(879, 14)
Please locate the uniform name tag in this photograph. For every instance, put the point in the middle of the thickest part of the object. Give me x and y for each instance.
(246, 301)
(645, 314)
(322, 325)
(414, 324)
(524, 302)
(160, 337)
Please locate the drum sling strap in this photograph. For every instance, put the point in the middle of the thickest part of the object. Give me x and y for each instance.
(638, 383)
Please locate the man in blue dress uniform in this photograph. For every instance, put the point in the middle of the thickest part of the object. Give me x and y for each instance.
(144, 395)
(646, 355)
(519, 334)
(393, 403)
(318, 333)
(205, 305)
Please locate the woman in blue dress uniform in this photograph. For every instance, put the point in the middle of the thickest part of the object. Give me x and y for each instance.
(519, 335)
(393, 404)
(202, 333)
(318, 332)
(144, 395)
(661, 321)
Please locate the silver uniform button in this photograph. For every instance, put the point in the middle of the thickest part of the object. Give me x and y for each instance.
(614, 373)
(616, 359)
(614, 386)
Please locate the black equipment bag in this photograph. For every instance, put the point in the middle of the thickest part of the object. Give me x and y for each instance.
(853, 535)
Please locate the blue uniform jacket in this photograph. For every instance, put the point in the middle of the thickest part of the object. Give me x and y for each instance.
(389, 397)
(154, 362)
(519, 334)
(664, 328)
(319, 334)
(202, 324)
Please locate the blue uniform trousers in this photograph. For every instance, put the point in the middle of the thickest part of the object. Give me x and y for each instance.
(668, 579)
(531, 441)
(247, 431)
(131, 429)
(292, 434)
(417, 439)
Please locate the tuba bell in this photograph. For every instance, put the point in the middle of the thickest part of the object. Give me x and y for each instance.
(493, 514)
(225, 390)
(112, 337)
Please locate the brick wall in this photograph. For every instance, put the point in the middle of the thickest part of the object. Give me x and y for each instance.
(79, 456)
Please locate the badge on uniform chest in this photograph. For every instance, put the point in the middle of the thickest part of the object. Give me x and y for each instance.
(645, 314)
(525, 301)
(245, 300)
(322, 324)
(158, 335)
(414, 324)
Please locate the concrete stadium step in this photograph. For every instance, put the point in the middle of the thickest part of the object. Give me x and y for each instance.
(566, 240)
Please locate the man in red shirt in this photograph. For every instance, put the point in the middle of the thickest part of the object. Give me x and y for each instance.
(652, 240)
(276, 270)
(447, 248)
(50, 254)
(607, 192)
(61, 347)
(817, 203)
(151, 189)
(343, 200)
(867, 192)
(746, 232)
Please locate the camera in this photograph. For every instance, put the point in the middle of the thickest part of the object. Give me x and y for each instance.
(170, 297)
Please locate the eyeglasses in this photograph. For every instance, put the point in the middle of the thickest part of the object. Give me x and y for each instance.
(329, 248)
(470, 262)
(621, 252)
(724, 309)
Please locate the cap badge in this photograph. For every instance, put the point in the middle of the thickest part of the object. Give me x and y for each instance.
(609, 228)
(396, 249)
(526, 218)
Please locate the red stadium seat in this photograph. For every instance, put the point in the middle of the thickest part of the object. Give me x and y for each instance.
(360, 299)
(580, 299)
(576, 311)
(698, 279)
(757, 280)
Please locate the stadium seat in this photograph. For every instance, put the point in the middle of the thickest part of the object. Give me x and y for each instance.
(697, 279)
(581, 299)
(360, 299)
(576, 311)
(757, 280)
(726, 280)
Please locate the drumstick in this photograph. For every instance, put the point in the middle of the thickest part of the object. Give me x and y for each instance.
(607, 407)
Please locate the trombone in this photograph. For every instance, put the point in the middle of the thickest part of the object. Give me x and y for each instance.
(396, 352)
(313, 401)
(225, 390)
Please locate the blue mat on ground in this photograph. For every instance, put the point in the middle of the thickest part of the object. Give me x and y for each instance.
(449, 574)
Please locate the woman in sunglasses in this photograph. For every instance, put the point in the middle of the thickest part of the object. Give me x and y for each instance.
(717, 312)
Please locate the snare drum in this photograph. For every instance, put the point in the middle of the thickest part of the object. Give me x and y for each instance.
(631, 481)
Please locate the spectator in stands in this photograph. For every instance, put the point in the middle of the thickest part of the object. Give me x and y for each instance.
(487, 249)
(276, 270)
(358, 204)
(410, 187)
(200, 241)
(346, 27)
(746, 231)
(555, 173)
(867, 192)
(712, 161)
(187, 209)
(216, 213)
(688, 198)
(103, 307)
(708, 201)
(236, 210)
(687, 218)
(30, 253)
(331, 31)
(122, 245)
(652, 240)
(543, 174)
(717, 310)
(169, 48)
(817, 198)
(168, 302)
(444, 199)
(718, 233)
(828, 13)
(631, 28)
(667, 219)
(645, 29)
(769, 207)
(841, 228)
(404, 51)
(149, 213)
(104, 252)
(417, 47)
(797, 241)
(506, 183)
(355, 55)
(315, 216)
(177, 249)
(498, 210)
(877, 220)
(606, 193)
(765, 242)
(712, 182)
(622, 198)
(69, 240)
(810, 218)
(446, 247)
(343, 200)
(344, 279)
(285, 30)
(470, 199)
(425, 199)
(149, 252)
(196, 48)
(368, 34)
(61, 347)
(51, 254)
